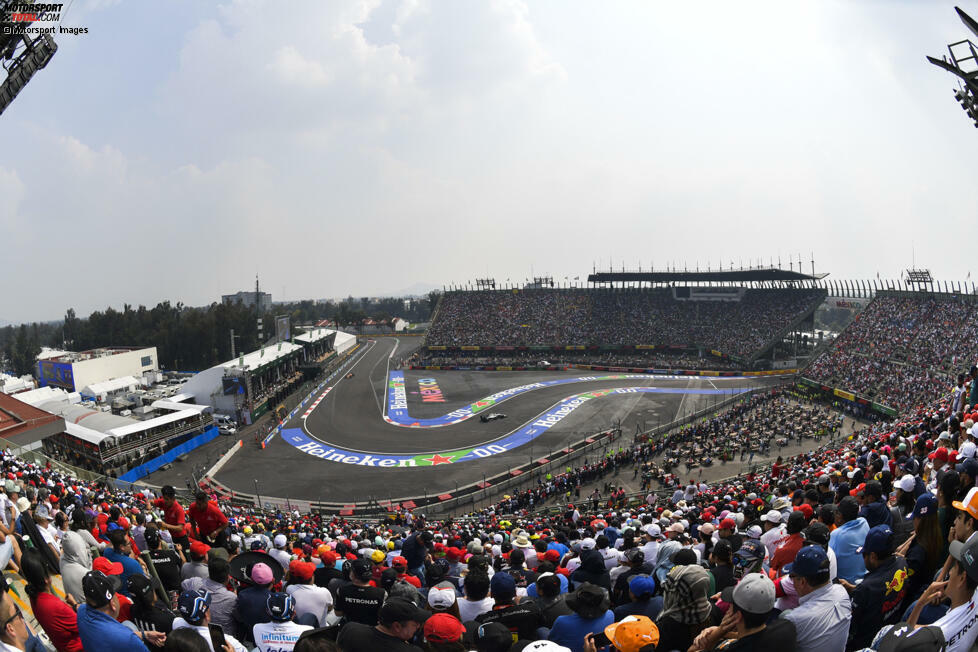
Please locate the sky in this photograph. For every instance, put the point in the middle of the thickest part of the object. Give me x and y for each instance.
(359, 147)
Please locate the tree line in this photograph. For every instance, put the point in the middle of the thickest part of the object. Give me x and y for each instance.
(192, 338)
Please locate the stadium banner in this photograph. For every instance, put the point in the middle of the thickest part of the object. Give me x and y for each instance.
(610, 347)
(436, 348)
(716, 353)
(645, 347)
(846, 395)
(469, 348)
(433, 368)
(537, 348)
(298, 438)
(505, 348)
(884, 409)
(575, 347)
(504, 368)
(710, 373)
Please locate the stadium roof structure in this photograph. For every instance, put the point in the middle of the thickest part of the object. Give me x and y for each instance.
(22, 423)
(756, 275)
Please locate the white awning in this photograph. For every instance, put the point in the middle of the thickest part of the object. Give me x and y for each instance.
(140, 426)
(86, 434)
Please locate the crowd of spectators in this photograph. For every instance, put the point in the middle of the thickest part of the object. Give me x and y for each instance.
(853, 545)
(631, 359)
(593, 317)
(901, 351)
(864, 542)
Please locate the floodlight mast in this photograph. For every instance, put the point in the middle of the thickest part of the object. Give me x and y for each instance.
(20, 55)
(963, 64)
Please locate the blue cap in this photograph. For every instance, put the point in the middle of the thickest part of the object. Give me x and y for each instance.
(641, 585)
(926, 506)
(502, 585)
(969, 466)
(280, 606)
(193, 605)
(809, 562)
(879, 540)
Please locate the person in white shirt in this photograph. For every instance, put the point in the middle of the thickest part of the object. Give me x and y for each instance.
(194, 608)
(311, 601)
(476, 600)
(281, 633)
(652, 534)
(279, 553)
(774, 531)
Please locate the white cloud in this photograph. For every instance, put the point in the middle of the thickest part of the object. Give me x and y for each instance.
(352, 146)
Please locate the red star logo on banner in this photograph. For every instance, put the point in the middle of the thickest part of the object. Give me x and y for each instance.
(437, 459)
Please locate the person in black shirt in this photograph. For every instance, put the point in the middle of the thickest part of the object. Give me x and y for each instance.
(635, 561)
(166, 562)
(721, 565)
(328, 571)
(148, 613)
(551, 603)
(399, 622)
(359, 602)
(521, 619)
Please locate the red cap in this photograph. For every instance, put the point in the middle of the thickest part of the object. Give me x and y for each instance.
(199, 548)
(399, 561)
(856, 491)
(453, 554)
(123, 522)
(805, 509)
(302, 570)
(443, 628)
(939, 454)
(552, 556)
(329, 557)
(106, 567)
(728, 524)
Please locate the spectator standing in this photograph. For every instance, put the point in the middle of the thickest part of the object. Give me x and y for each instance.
(207, 521)
(174, 517)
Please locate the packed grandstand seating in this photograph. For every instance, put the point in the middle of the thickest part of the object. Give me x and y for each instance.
(902, 350)
(864, 542)
(636, 359)
(634, 317)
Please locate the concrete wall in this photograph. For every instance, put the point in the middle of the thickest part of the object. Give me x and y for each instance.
(97, 370)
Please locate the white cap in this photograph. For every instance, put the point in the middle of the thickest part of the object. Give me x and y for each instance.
(773, 516)
(588, 544)
(279, 540)
(754, 532)
(653, 530)
(968, 449)
(906, 483)
(497, 538)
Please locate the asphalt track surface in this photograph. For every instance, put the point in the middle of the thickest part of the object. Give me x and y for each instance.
(351, 416)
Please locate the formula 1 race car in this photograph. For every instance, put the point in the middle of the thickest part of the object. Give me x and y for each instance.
(492, 416)
(350, 375)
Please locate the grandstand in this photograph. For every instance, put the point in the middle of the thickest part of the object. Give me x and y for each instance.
(903, 350)
(740, 323)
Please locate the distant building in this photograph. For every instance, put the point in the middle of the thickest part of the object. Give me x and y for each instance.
(248, 298)
(257, 382)
(74, 371)
(22, 424)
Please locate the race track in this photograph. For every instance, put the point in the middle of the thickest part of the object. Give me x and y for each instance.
(377, 434)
